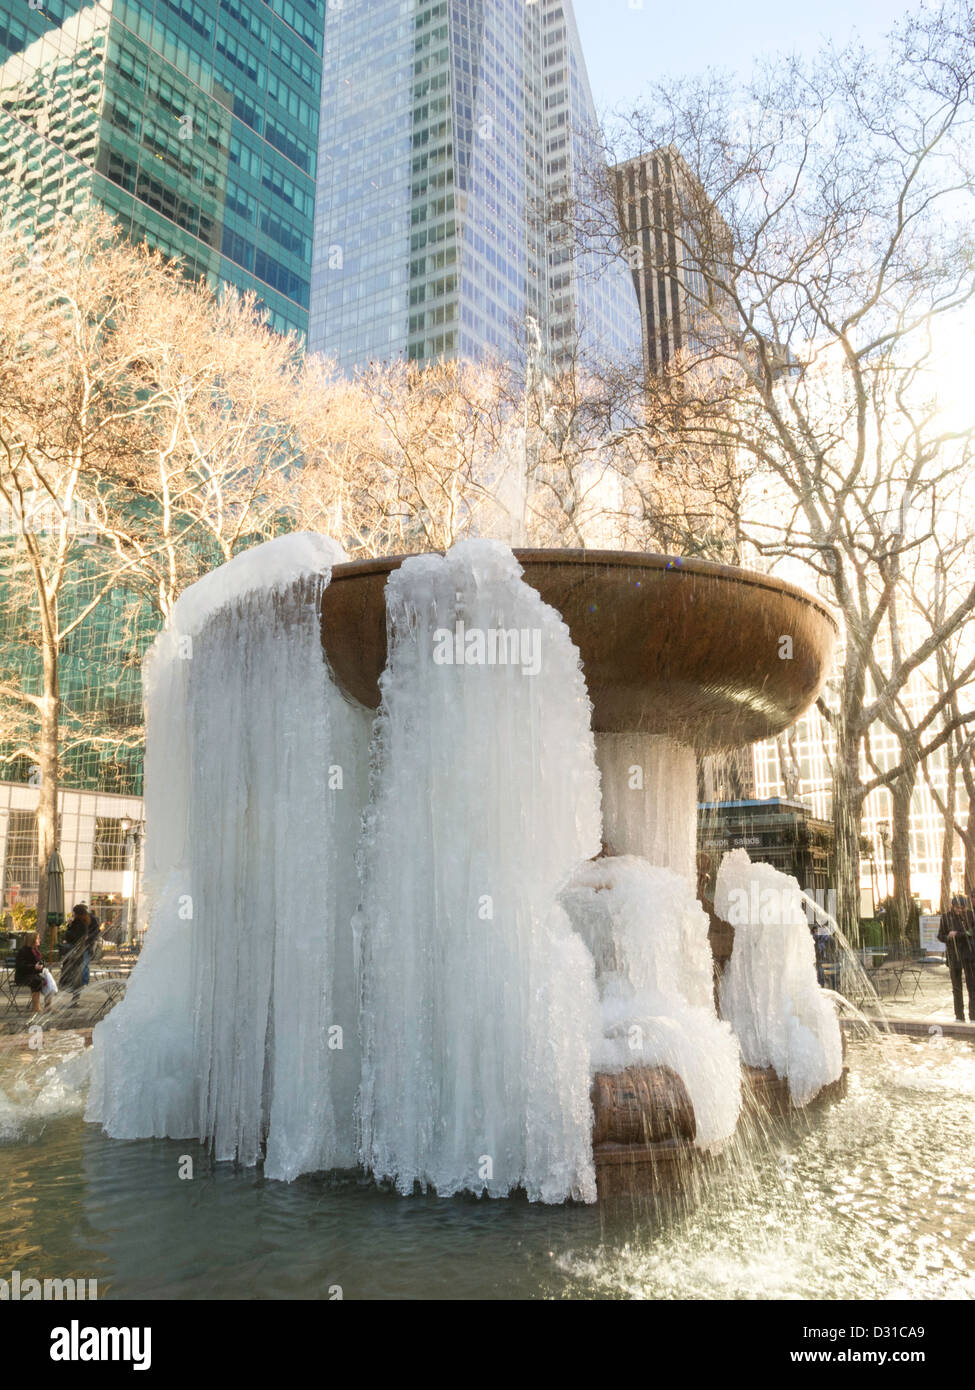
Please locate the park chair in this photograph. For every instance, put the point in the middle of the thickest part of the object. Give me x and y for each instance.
(899, 976)
(17, 996)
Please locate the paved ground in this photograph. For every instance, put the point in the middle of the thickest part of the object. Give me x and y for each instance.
(931, 1004)
(928, 1010)
(95, 1000)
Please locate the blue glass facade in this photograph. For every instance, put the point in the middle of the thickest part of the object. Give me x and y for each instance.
(194, 121)
(447, 126)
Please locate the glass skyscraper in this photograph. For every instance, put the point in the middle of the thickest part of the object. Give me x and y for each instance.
(193, 121)
(448, 129)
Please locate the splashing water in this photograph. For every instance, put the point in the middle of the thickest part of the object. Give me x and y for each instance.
(871, 1198)
(854, 980)
(478, 999)
(41, 1085)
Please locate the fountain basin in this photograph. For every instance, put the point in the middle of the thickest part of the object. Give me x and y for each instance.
(685, 649)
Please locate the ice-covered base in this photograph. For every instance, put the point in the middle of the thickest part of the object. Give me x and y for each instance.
(239, 1026)
(769, 990)
(478, 999)
(649, 938)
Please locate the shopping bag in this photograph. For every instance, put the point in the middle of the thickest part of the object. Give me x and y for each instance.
(48, 987)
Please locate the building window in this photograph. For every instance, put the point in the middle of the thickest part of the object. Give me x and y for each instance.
(109, 844)
(20, 862)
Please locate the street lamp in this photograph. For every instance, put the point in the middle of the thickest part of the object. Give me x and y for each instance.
(883, 830)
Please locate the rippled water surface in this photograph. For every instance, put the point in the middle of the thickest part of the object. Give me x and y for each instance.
(872, 1197)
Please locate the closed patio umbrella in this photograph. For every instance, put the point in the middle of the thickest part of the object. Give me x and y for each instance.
(55, 890)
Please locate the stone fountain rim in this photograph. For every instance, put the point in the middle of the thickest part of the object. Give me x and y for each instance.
(618, 559)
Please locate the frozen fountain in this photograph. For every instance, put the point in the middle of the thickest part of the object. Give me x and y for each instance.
(383, 935)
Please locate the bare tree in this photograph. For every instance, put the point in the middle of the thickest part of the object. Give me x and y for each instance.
(402, 459)
(149, 430)
(226, 408)
(70, 413)
(844, 189)
(950, 681)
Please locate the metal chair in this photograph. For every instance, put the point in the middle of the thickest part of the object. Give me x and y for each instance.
(116, 981)
(17, 995)
(7, 983)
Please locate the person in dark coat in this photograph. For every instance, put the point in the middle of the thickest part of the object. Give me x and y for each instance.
(80, 937)
(28, 965)
(93, 935)
(957, 931)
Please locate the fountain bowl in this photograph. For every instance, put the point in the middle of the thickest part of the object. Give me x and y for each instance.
(679, 647)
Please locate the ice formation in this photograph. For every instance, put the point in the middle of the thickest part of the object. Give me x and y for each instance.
(478, 998)
(650, 799)
(239, 1024)
(769, 990)
(649, 939)
(360, 948)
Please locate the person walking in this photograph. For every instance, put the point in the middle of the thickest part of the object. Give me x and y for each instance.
(957, 931)
(80, 935)
(28, 965)
(93, 937)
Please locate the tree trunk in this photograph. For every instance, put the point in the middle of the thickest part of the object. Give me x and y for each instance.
(902, 795)
(47, 806)
(789, 770)
(948, 842)
(847, 818)
(968, 839)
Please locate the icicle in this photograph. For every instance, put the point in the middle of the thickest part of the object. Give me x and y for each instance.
(239, 1025)
(478, 999)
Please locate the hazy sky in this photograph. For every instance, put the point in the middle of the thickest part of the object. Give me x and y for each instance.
(626, 42)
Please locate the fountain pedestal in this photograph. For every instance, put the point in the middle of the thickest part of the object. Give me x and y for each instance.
(649, 791)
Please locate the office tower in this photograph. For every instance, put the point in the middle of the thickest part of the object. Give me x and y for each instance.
(678, 245)
(448, 128)
(193, 121)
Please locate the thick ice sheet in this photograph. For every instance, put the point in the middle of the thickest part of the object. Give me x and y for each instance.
(769, 990)
(478, 999)
(649, 938)
(240, 1023)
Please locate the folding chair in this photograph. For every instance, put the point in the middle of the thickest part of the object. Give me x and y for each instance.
(115, 981)
(19, 996)
(7, 984)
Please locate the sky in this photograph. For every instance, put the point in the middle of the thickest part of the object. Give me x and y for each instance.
(630, 42)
